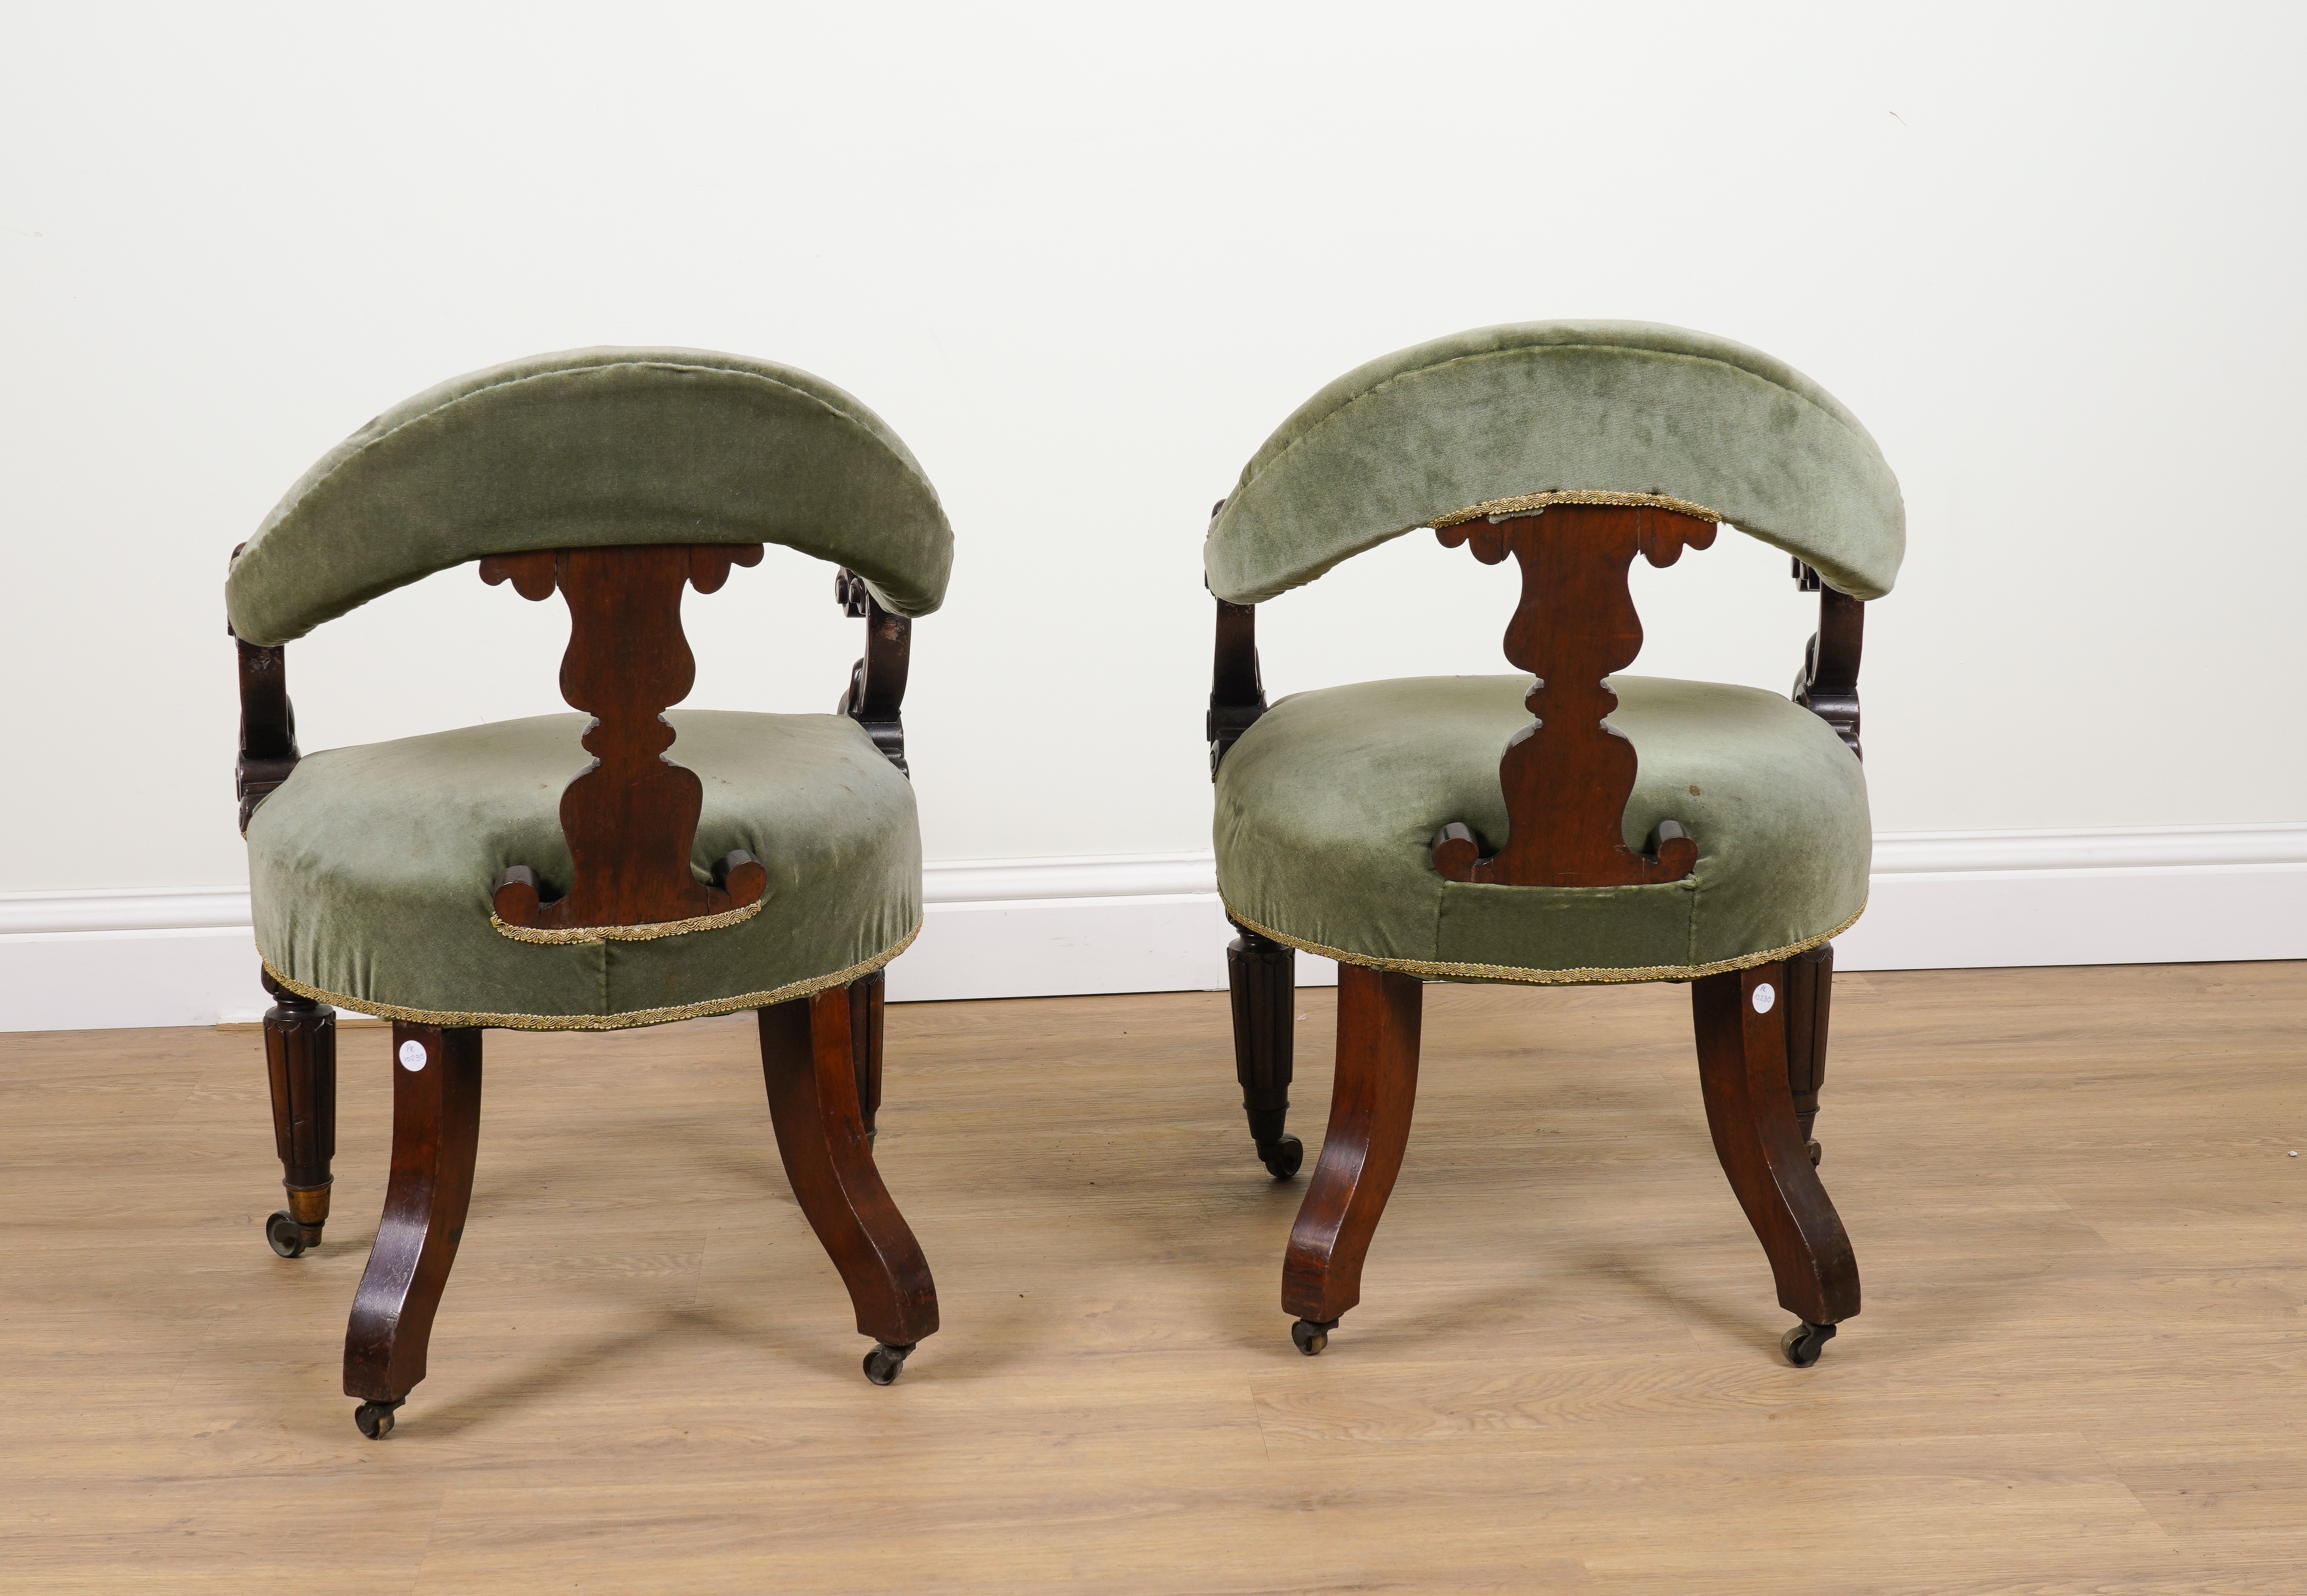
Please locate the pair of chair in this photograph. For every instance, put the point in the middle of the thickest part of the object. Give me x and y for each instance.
(492, 877)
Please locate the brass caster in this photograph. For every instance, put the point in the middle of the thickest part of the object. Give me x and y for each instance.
(883, 1363)
(1312, 1335)
(375, 1418)
(1282, 1157)
(285, 1236)
(1804, 1343)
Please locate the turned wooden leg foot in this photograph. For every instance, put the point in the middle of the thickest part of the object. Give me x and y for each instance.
(1742, 1066)
(1361, 1151)
(808, 1060)
(300, 1057)
(436, 1118)
(1263, 976)
(1810, 993)
(865, 1024)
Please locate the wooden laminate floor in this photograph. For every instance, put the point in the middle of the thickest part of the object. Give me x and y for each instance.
(2082, 1365)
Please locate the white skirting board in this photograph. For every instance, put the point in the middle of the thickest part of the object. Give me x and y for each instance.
(1018, 928)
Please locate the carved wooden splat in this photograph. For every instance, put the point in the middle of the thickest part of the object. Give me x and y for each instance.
(1568, 774)
(631, 818)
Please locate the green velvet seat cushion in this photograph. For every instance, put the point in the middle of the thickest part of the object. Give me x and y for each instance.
(1501, 412)
(371, 868)
(591, 448)
(1328, 807)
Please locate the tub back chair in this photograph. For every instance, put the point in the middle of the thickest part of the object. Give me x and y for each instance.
(623, 866)
(1571, 824)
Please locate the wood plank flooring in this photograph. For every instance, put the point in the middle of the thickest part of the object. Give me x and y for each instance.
(2082, 1365)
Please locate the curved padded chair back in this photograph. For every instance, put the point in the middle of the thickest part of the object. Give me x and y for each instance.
(592, 447)
(1561, 412)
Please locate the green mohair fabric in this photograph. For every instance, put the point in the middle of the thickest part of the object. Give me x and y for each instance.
(372, 867)
(1328, 807)
(592, 447)
(1545, 407)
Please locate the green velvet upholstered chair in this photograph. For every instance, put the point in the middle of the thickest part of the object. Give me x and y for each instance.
(565, 874)
(1500, 828)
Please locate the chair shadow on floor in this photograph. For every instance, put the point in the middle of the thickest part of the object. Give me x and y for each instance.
(737, 1168)
(538, 1385)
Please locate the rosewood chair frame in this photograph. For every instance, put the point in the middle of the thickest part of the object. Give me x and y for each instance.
(1761, 1032)
(630, 821)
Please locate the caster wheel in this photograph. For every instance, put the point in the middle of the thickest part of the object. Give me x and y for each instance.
(1804, 1343)
(1282, 1157)
(285, 1235)
(1312, 1337)
(1814, 1151)
(883, 1362)
(374, 1418)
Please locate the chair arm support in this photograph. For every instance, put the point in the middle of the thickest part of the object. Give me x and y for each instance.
(1827, 685)
(876, 695)
(268, 727)
(1236, 694)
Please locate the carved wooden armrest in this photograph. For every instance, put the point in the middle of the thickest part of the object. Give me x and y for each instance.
(1827, 685)
(1568, 774)
(630, 819)
(876, 697)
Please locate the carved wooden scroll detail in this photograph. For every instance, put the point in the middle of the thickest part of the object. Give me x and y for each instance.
(1827, 685)
(1567, 776)
(631, 818)
(876, 696)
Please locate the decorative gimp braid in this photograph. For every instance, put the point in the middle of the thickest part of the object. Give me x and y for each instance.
(601, 1022)
(1528, 502)
(1597, 976)
(628, 933)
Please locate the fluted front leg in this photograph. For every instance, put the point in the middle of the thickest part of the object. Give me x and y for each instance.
(300, 1061)
(865, 1028)
(1263, 975)
(1810, 998)
(436, 1117)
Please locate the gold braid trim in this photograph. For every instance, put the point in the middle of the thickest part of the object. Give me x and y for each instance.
(630, 933)
(1600, 976)
(601, 1022)
(1572, 496)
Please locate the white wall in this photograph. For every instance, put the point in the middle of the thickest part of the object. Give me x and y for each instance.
(1084, 259)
